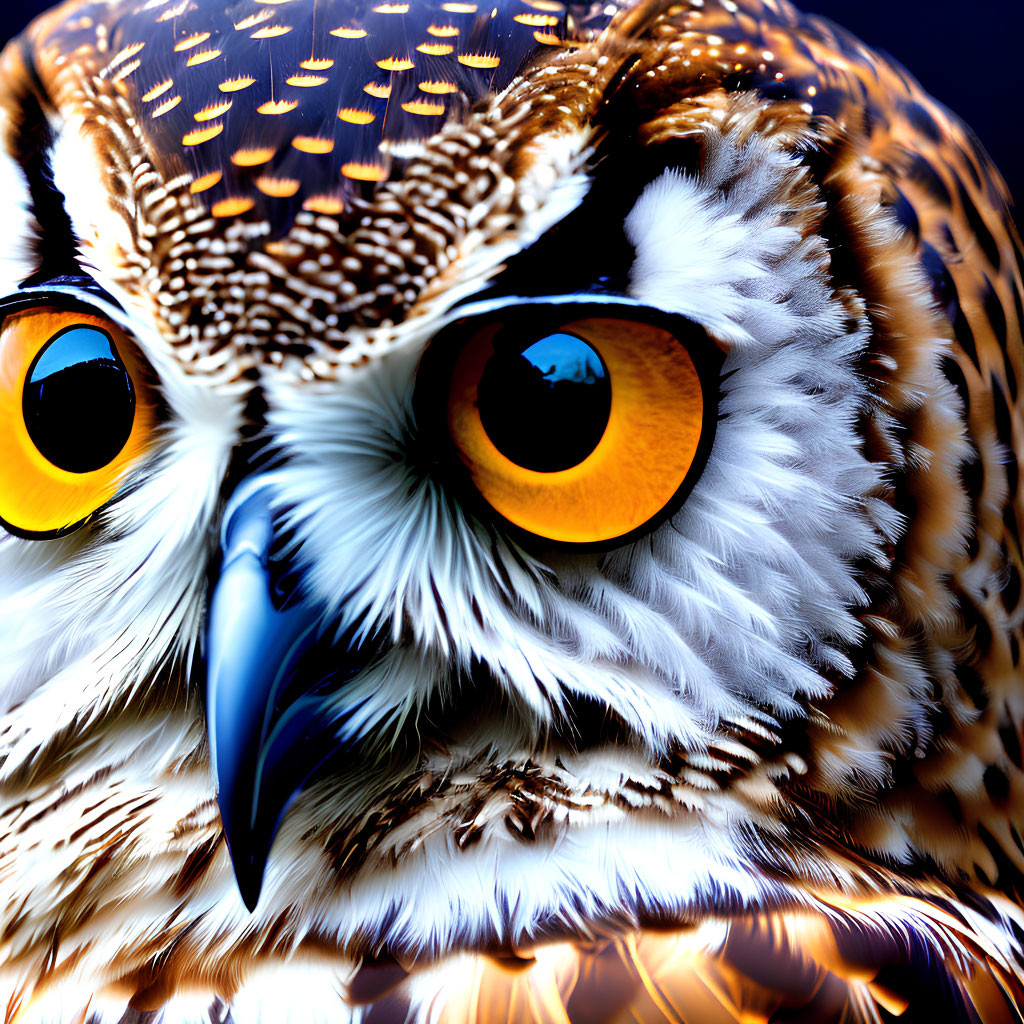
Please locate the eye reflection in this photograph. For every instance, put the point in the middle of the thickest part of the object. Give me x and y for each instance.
(546, 406)
(79, 402)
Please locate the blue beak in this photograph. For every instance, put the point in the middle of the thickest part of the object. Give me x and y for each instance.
(267, 719)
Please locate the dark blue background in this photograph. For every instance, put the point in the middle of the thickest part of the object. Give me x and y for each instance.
(966, 55)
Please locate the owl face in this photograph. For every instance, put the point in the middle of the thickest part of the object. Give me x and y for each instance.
(439, 452)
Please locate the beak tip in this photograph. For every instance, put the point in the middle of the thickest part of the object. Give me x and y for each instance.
(250, 893)
(248, 876)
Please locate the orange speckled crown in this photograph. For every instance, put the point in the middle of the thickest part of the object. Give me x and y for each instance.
(276, 105)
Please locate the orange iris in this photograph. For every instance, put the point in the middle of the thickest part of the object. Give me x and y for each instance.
(647, 443)
(47, 494)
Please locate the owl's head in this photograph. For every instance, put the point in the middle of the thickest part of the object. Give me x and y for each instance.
(495, 428)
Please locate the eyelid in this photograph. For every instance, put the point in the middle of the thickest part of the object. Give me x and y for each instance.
(521, 305)
(88, 298)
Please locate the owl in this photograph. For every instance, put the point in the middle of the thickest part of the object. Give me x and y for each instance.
(553, 555)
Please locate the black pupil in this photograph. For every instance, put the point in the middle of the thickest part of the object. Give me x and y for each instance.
(79, 403)
(545, 406)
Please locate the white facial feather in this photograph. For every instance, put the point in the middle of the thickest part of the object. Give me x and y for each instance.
(99, 221)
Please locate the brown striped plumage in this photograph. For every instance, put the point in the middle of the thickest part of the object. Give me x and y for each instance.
(286, 242)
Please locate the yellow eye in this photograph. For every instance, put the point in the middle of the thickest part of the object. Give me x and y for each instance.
(72, 418)
(588, 428)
